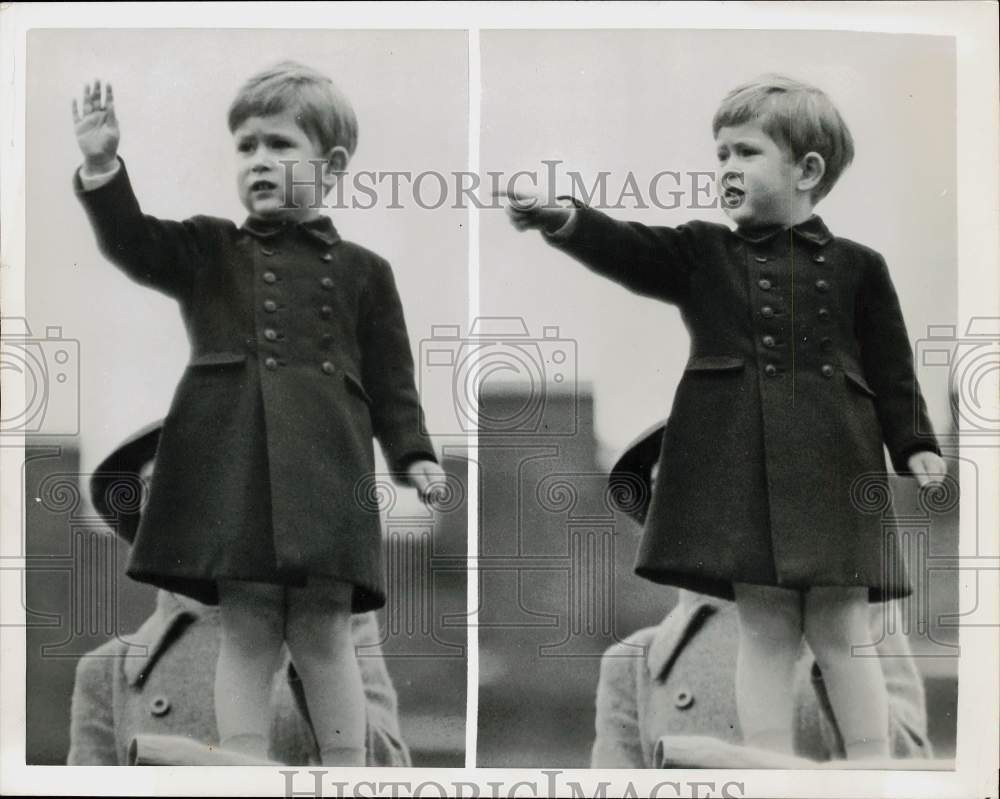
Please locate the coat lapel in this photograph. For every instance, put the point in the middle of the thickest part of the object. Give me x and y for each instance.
(156, 634)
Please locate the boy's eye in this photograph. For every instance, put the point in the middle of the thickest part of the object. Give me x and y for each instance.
(244, 146)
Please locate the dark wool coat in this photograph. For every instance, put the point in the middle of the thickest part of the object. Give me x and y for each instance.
(299, 355)
(800, 369)
(678, 679)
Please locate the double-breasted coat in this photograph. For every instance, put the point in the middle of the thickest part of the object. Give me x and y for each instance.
(800, 370)
(299, 356)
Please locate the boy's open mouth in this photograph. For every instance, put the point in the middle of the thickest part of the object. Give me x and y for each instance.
(263, 185)
(733, 197)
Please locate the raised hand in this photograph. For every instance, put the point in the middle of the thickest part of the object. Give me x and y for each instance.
(97, 128)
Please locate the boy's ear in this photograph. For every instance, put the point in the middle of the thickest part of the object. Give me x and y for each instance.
(812, 167)
(336, 164)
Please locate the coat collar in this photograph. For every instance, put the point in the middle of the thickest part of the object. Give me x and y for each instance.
(813, 229)
(162, 628)
(166, 624)
(676, 630)
(320, 228)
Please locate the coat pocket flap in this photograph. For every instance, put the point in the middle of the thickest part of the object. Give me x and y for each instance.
(859, 383)
(714, 363)
(354, 383)
(218, 359)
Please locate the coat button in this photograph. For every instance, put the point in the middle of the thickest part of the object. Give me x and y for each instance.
(770, 370)
(826, 370)
(823, 313)
(683, 700)
(271, 334)
(765, 284)
(768, 341)
(819, 259)
(327, 282)
(822, 286)
(826, 344)
(271, 363)
(269, 277)
(267, 251)
(159, 706)
(328, 368)
(760, 259)
(326, 312)
(270, 306)
(326, 257)
(767, 311)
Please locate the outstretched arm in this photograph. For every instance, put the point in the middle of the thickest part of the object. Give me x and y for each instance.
(156, 253)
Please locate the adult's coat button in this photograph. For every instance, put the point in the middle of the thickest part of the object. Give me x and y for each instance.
(159, 706)
(271, 363)
(767, 311)
(768, 341)
(760, 259)
(326, 257)
(269, 277)
(270, 306)
(765, 284)
(822, 286)
(770, 370)
(328, 368)
(819, 259)
(326, 312)
(683, 700)
(271, 334)
(826, 370)
(326, 282)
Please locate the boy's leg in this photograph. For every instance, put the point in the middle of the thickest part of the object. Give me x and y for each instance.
(252, 622)
(837, 619)
(319, 638)
(770, 639)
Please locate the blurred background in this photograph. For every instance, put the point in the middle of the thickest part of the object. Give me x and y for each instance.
(596, 365)
(102, 356)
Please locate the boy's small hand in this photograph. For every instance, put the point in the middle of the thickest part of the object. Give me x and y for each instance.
(928, 467)
(429, 479)
(531, 212)
(97, 129)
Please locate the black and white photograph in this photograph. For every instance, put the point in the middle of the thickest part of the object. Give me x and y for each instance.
(728, 244)
(500, 400)
(243, 326)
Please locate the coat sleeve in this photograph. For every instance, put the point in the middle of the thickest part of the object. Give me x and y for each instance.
(92, 725)
(153, 252)
(618, 743)
(387, 363)
(385, 745)
(907, 731)
(652, 261)
(887, 358)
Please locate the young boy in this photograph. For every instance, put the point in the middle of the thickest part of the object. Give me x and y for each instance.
(800, 371)
(299, 357)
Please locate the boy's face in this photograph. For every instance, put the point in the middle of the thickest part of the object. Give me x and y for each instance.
(768, 193)
(262, 144)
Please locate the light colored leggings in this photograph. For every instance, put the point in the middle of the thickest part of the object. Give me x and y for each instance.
(833, 619)
(315, 621)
